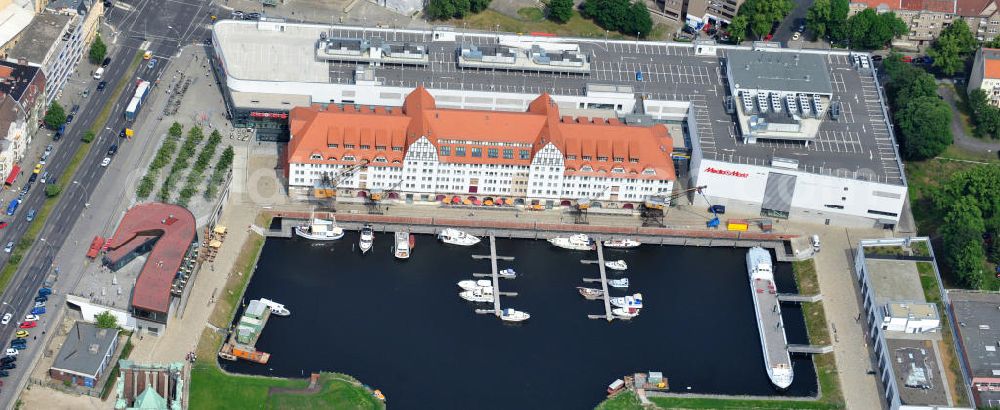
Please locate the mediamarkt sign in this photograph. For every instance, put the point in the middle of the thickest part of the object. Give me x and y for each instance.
(727, 172)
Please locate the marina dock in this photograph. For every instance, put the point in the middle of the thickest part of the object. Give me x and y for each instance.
(243, 337)
(604, 283)
(493, 257)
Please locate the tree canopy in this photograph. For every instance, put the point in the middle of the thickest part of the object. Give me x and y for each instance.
(985, 115)
(98, 50)
(560, 11)
(970, 204)
(759, 17)
(738, 28)
(923, 119)
(55, 117)
(828, 18)
(870, 30)
(105, 320)
(446, 9)
(619, 15)
(953, 48)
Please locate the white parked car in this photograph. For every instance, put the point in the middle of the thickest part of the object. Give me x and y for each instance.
(31, 318)
(39, 304)
(106, 161)
(796, 36)
(11, 351)
(6, 318)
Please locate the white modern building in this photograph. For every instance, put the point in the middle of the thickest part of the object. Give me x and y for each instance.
(919, 317)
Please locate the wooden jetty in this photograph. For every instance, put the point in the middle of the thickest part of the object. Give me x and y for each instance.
(604, 283)
(493, 257)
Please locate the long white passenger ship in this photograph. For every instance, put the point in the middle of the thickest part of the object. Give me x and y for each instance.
(768, 311)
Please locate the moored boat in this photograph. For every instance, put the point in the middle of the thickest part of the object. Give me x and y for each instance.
(625, 313)
(367, 238)
(402, 247)
(633, 301)
(618, 283)
(768, 313)
(616, 386)
(616, 265)
(474, 284)
(590, 293)
(623, 243)
(511, 315)
(320, 230)
(507, 273)
(480, 295)
(276, 308)
(577, 242)
(456, 237)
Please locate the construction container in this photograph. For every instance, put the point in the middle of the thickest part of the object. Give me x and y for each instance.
(737, 225)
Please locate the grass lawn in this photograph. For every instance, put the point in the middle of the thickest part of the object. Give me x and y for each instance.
(533, 20)
(826, 366)
(237, 283)
(625, 400)
(211, 388)
(339, 392)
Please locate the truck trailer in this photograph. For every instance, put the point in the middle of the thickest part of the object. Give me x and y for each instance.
(141, 91)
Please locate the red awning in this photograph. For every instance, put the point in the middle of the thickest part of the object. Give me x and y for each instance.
(456, 200)
(13, 174)
(95, 247)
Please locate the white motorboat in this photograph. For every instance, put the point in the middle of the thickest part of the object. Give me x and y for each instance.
(480, 295)
(320, 230)
(367, 238)
(618, 283)
(456, 237)
(276, 308)
(402, 247)
(474, 284)
(511, 315)
(577, 242)
(625, 313)
(768, 313)
(590, 293)
(616, 265)
(634, 301)
(507, 273)
(623, 243)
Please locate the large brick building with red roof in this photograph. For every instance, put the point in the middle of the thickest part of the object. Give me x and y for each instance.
(424, 152)
(167, 234)
(926, 18)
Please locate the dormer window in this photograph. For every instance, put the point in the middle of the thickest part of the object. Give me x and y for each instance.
(315, 156)
(633, 160)
(587, 158)
(380, 159)
(571, 157)
(618, 170)
(586, 168)
(349, 158)
(331, 158)
(648, 171)
(602, 158)
(619, 159)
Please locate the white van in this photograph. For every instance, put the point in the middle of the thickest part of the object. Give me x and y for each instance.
(815, 243)
(99, 73)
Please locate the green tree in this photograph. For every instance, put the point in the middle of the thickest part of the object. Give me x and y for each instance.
(953, 48)
(88, 137)
(619, 15)
(828, 18)
(52, 190)
(925, 127)
(962, 234)
(176, 130)
(98, 50)
(560, 11)
(55, 117)
(984, 115)
(446, 9)
(105, 320)
(738, 28)
(869, 30)
(763, 14)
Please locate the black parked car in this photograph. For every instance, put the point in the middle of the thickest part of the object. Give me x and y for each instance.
(8, 359)
(121, 134)
(3, 373)
(6, 366)
(113, 149)
(32, 178)
(107, 60)
(101, 85)
(42, 299)
(69, 118)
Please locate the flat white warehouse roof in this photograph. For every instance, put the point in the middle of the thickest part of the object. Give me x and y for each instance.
(269, 51)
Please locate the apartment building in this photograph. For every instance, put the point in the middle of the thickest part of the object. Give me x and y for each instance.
(695, 13)
(421, 153)
(21, 88)
(985, 74)
(926, 18)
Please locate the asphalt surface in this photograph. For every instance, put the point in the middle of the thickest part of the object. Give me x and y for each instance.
(167, 26)
(792, 21)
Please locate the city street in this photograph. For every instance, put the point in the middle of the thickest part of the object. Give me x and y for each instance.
(166, 26)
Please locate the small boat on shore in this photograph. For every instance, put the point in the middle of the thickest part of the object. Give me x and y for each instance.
(474, 284)
(320, 230)
(616, 265)
(367, 238)
(402, 248)
(616, 386)
(625, 313)
(480, 295)
(454, 236)
(511, 315)
(590, 293)
(618, 283)
(577, 242)
(623, 243)
(507, 273)
(634, 301)
(276, 308)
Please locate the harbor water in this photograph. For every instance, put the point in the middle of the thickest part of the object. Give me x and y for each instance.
(399, 326)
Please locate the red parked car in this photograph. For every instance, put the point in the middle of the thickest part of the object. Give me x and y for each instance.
(28, 325)
(3, 224)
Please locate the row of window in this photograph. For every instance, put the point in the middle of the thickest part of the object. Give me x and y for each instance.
(364, 147)
(484, 143)
(475, 152)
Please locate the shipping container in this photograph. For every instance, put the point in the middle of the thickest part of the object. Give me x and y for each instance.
(737, 225)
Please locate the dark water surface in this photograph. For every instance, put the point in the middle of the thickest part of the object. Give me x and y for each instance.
(400, 326)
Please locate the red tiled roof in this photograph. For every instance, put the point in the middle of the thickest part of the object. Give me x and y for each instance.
(942, 6)
(972, 8)
(315, 132)
(991, 62)
(176, 228)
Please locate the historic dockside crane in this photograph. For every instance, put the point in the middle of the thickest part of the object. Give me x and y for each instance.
(325, 190)
(654, 207)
